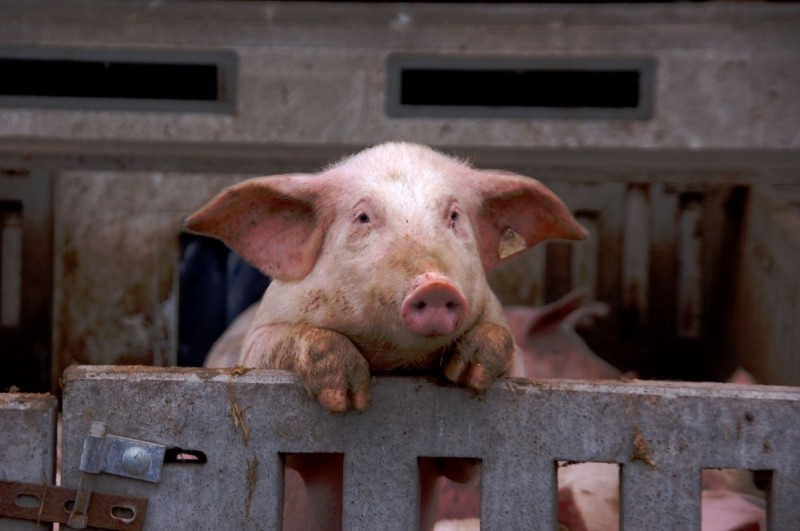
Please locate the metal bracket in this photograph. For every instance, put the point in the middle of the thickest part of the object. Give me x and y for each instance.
(115, 455)
(43, 503)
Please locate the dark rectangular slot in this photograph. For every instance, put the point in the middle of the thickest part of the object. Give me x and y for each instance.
(611, 89)
(119, 80)
(596, 88)
(114, 79)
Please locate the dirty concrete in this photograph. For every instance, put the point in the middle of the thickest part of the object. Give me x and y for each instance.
(519, 430)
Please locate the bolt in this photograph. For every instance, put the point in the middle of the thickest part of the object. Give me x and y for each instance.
(136, 461)
(97, 429)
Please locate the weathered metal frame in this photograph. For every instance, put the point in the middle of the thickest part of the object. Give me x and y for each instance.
(662, 433)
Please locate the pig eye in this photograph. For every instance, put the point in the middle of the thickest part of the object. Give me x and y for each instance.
(454, 216)
(363, 218)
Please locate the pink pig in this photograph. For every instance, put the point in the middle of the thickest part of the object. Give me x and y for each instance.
(551, 348)
(378, 263)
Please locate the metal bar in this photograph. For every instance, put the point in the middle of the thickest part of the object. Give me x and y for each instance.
(636, 249)
(43, 503)
(690, 270)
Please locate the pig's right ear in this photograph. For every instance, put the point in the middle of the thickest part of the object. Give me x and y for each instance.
(272, 222)
(517, 213)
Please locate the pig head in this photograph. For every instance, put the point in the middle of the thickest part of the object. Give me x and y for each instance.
(378, 263)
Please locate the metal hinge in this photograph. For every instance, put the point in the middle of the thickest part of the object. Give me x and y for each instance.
(102, 453)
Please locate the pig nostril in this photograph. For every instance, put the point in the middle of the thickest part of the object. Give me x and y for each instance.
(420, 305)
(451, 305)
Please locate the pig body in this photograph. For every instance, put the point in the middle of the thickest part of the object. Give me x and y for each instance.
(378, 264)
(550, 345)
(227, 349)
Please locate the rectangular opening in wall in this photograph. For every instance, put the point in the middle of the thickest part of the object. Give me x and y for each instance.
(10, 263)
(737, 497)
(118, 80)
(588, 495)
(454, 486)
(503, 87)
(312, 490)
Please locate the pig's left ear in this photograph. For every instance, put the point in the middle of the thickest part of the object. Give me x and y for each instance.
(517, 213)
(274, 223)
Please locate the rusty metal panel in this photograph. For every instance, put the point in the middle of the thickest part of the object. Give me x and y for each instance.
(763, 326)
(43, 503)
(663, 433)
(27, 444)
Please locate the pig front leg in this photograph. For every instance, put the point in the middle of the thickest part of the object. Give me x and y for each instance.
(331, 367)
(483, 354)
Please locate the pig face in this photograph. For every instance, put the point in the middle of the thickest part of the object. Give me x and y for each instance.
(379, 263)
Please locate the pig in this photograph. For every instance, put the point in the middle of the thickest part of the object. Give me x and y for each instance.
(379, 264)
(227, 349)
(551, 348)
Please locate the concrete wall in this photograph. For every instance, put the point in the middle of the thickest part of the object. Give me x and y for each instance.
(726, 75)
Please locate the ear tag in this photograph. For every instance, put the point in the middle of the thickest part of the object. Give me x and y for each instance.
(510, 243)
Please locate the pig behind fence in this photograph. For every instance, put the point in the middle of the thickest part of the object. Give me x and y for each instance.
(379, 264)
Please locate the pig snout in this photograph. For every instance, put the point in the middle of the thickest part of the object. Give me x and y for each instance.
(435, 306)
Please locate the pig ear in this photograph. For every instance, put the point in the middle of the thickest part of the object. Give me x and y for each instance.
(272, 222)
(557, 312)
(517, 213)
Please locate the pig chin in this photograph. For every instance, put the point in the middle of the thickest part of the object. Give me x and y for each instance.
(400, 349)
(406, 351)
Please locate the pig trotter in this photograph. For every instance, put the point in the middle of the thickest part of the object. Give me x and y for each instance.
(483, 354)
(335, 372)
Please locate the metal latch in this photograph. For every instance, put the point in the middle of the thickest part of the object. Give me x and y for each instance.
(115, 455)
